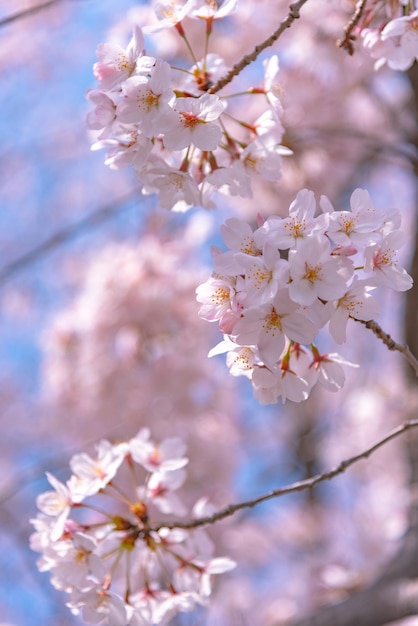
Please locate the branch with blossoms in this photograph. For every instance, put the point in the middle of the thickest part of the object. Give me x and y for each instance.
(95, 535)
(272, 292)
(279, 285)
(114, 562)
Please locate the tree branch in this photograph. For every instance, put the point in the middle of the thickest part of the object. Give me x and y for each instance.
(67, 233)
(302, 485)
(347, 41)
(27, 12)
(294, 14)
(390, 343)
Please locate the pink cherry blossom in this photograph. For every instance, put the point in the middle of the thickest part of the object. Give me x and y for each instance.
(94, 473)
(404, 32)
(56, 504)
(380, 260)
(169, 13)
(357, 302)
(195, 123)
(167, 456)
(315, 274)
(289, 231)
(116, 64)
(214, 10)
(147, 100)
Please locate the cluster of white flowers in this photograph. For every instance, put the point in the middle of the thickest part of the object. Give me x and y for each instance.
(396, 43)
(166, 123)
(279, 284)
(117, 567)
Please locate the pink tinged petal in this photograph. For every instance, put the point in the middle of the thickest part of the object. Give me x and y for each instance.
(220, 565)
(206, 136)
(266, 386)
(238, 236)
(298, 328)
(395, 28)
(331, 376)
(338, 325)
(137, 44)
(396, 277)
(303, 292)
(177, 139)
(294, 388)
(304, 205)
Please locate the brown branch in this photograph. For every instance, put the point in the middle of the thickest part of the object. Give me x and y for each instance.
(301, 485)
(294, 14)
(347, 41)
(390, 343)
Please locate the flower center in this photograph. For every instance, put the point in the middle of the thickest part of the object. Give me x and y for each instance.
(190, 119)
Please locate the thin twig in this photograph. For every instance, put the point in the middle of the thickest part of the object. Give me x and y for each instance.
(390, 343)
(302, 485)
(27, 12)
(294, 14)
(347, 41)
(65, 234)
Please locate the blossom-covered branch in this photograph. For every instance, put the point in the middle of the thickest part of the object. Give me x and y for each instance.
(279, 285)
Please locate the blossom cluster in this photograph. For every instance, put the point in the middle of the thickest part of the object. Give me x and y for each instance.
(116, 565)
(393, 41)
(166, 122)
(279, 284)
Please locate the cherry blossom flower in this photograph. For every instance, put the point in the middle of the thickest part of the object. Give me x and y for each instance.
(219, 302)
(122, 568)
(176, 190)
(315, 274)
(289, 231)
(195, 123)
(264, 275)
(167, 456)
(56, 504)
(204, 74)
(269, 325)
(116, 64)
(214, 10)
(327, 370)
(380, 260)
(147, 101)
(99, 606)
(404, 32)
(93, 474)
(396, 44)
(278, 285)
(104, 114)
(358, 227)
(358, 303)
(272, 86)
(169, 13)
(159, 490)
